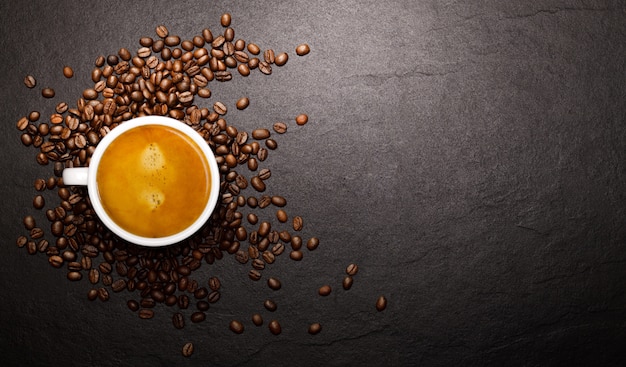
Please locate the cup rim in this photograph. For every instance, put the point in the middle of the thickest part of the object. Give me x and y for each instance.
(92, 185)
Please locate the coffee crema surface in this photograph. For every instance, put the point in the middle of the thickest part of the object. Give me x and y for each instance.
(153, 181)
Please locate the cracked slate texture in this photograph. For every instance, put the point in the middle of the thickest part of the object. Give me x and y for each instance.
(468, 155)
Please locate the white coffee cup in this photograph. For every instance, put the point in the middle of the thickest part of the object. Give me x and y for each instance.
(86, 176)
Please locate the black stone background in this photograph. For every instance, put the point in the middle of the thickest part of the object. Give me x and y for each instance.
(468, 155)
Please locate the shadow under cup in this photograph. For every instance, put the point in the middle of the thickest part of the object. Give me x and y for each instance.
(153, 181)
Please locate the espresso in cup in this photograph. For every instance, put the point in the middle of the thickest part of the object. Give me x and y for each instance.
(152, 180)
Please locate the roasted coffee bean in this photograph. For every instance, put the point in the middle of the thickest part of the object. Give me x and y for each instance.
(278, 249)
(260, 134)
(265, 174)
(74, 276)
(270, 305)
(267, 256)
(178, 320)
(39, 202)
(254, 274)
(92, 294)
(297, 223)
(146, 313)
(183, 301)
(197, 317)
(296, 255)
(281, 59)
(274, 327)
(242, 103)
(68, 72)
(214, 283)
(56, 261)
(132, 305)
(118, 285)
(162, 31)
(324, 290)
(258, 264)
(381, 303)
(352, 269)
(187, 349)
(302, 119)
(94, 276)
(274, 283)
(30, 81)
(103, 294)
(36, 233)
(347, 282)
(271, 144)
(312, 243)
(257, 183)
(203, 306)
(315, 328)
(302, 49)
(280, 127)
(257, 319)
(268, 56)
(296, 242)
(265, 68)
(213, 296)
(220, 108)
(21, 241)
(29, 222)
(225, 20)
(236, 327)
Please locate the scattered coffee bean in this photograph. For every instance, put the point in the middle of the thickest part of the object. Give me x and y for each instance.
(187, 349)
(39, 202)
(274, 327)
(312, 243)
(274, 283)
(30, 81)
(236, 327)
(197, 317)
(242, 103)
(280, 127)
(381, 303)
(178, 320)
(162, 31)
(302, 119)
(281, 59)
(297, 223)
(315, 328)
(132, 305)
(324, 290)
(225, 20)
(296, 255)
(347, 282)
(281, 215)
(270, 305)
(352, 269)
(68, 72)
(303, 49)
(47, 92)
(257, 319)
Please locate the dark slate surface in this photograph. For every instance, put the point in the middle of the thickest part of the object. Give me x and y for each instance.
(469, 156)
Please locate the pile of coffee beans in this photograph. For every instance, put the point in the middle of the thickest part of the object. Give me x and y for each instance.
(167, 76)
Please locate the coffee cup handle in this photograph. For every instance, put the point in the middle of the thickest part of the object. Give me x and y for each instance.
(75, 176)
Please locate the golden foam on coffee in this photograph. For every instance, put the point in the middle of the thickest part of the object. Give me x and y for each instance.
(153, 181)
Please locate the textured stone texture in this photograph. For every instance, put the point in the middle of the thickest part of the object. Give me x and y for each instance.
(469, 156)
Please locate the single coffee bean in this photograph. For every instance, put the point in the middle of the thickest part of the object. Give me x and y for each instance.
(197, 317)
(257, 183)
(236, 327)
(254, 274)
(29, 222)
(303, 49)
(281, 59)
(296, 255)
(178, 320)
(214, 283)
(296, 243)
(260, 134)
(324, 290)
(280, 127)
(274, 283)
(68, 72)
(203, 306)
(56, 261)
(278, 249)
(268, 56)
(265, 174)
(347, 282)
(302, 119)
(297, 223)
(213, 296)
(352, 269)
(265, 67)
(219, 108)
(274, 327)
(30, 81)
(21, 241)
(94, 276)
(162, 31)
(39, 202)
(242, 103)
(381, 303)
(36, 233)
(312, 243)
(315, 328)
(118, 285)
(225, 20)
(187, 349)
(92, 294)
(132, 305)
(47, 92)
(257, 319)
(74, 275)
